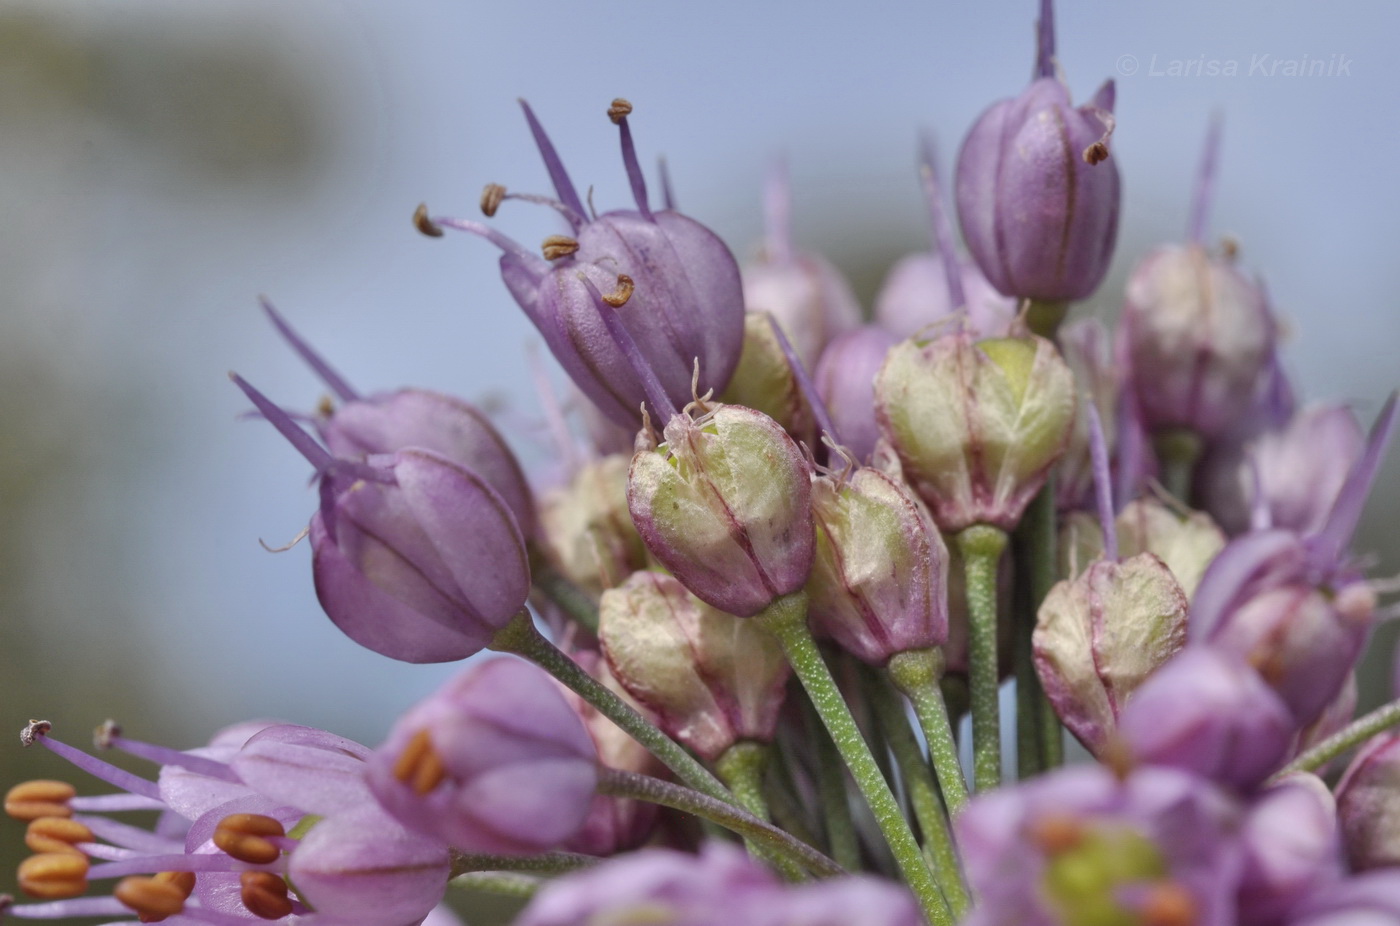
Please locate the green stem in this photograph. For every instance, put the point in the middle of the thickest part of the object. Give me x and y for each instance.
(1178, 449)
(617, 783)
(917, 674)
(1039, 538)
(571, 599)
(546, 863)
(923, 791)
(781, 791)
(1378, 721)
(841, 837)
(741, 767)
(503, 883)
(522, 638)
(786, 619)
(981, 546)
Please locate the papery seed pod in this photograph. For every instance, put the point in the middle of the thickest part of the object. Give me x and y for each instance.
(1098, 637)
(977, 426)
(713, 679)
(879, 582)
(1187, 542)
(765, 382)
(1368, 803)
(725, 505)
(1037, 189)
(845, 379)
(495, 761)
(587, 528)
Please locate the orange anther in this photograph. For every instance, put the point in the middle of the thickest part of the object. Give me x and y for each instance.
(31, 800)
(419, 765)
(56, 834)
(1169, 904)
(265, 895)
(244, 836)
(53, 875)
(152, 899)
(1056, 833)
(557, 246)
(184, 880)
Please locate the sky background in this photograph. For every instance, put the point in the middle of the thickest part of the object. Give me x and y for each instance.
(164, 163)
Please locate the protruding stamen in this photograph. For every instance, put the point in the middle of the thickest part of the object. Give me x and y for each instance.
(651, 385)
(54, 875)
(1169, 904)
(419, 765)
(424, 223)
(31, 800)
(1336, 534)
(151, 898)
(56, 834)
(33, 731)
(319, 457)
(245, 836)
(501, 241)
(563, 186)
(1205, 183)
(618, 297)
(265, 895)
(618, 112)
(804, 382)
(668, 194)
(491, 196)
(1102, 107)
(319, 366)
(938, 219)
(1054, 834)
(109, 736)
(557, 246)
(777, 213)
(1103, 482)
(94, 766)
(1045, 40)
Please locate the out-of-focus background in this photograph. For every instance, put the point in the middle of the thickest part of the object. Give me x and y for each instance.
(164, 162)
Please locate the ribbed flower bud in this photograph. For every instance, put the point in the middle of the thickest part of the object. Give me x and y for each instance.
(495, 761)
(879, 582)
(712, 679)
(977, 426)
(1099, 636)
(765, 381)
(587, 528)
(1368, 802)
(725, 505)
(845, 379)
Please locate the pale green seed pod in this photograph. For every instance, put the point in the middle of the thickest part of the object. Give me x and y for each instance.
(977, 426)
(588, 531)
(764, 380)
(1186, 543)
(712, 679)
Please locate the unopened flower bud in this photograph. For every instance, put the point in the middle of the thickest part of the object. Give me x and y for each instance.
(879, 582)
(915, 296)
(1098, 637)
(1290, 848)
(977, 426)
(587, 527)
(765, 382)
(845, 379)
(495, 761)
(1368, 802)
(725, 505)
(712, 679)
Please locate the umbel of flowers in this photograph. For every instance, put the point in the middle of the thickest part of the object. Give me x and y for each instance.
(738, 644)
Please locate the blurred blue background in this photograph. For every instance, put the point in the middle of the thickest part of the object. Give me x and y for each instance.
(164, 162)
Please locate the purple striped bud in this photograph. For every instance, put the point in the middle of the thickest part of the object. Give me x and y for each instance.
(1099, 636)
(1368, 802)
(1037, 191)
(977, 426)
(495, 761)
(725, 505)
(845, 379)
(713, 679)
(879, 582)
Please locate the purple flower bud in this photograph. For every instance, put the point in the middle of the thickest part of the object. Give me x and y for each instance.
(400, 547)
(687, 305)
(1290, 844)
(1368, 899)
(977, 426)
(1368, 802)
(1207, 713)
(725, 505)
(1099, 636)
(1198, 338)
(1037, 191)
(845, 379)
(879, 582)
(587, 529)
(495, 761)
(712, 679)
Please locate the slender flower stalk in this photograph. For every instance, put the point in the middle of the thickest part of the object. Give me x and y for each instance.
(917, 674)
(981, 546)
(786, 619)
(1378, 721)
(841, 838)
